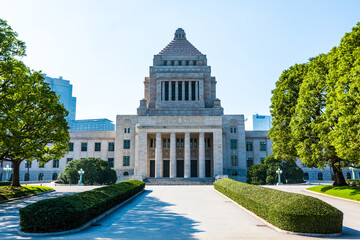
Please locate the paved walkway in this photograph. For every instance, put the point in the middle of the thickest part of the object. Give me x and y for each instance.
(172, 212)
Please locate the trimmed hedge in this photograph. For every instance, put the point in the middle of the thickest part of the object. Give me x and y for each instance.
(9, 192)
(287, 211)
(353, 182)
(72, 211)
(5, 183)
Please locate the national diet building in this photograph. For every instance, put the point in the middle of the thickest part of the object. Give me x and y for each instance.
(180, 130)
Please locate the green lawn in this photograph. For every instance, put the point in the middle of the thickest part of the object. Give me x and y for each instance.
(352, 193)
(7, 192)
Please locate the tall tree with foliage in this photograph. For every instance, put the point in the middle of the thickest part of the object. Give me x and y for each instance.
(283, 103)
(32, 120)
(343, 103)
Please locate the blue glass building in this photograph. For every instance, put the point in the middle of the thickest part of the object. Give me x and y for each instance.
(63, 88)
(101, 124)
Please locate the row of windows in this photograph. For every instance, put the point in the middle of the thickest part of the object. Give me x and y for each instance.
(179, 63)
(84, 147)
(42, 165)
(321, 177)
(180, 143)
(249, 146)
(249, 161)
(40, 177)
(186, 90)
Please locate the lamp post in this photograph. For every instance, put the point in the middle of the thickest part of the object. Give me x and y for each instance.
(352, 172)
(7, 169)
(81, 172)
(279, 172)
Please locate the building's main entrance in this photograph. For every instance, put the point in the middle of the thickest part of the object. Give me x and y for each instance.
(166, 168)
(180, 168)
(194, 168)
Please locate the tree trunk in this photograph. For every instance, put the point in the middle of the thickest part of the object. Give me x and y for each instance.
(339, 176)
(16, 173)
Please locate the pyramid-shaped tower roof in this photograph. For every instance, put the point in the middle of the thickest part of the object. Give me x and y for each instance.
(180, 46)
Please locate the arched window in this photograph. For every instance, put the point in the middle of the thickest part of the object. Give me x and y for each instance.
(27, 177)
(41, 177)
(126, 174)
(306, 176)
(54, 176)
(234, 173)
(348, 175)
(320, 176)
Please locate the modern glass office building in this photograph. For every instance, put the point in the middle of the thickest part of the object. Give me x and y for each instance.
(101, 124)
(63, 88)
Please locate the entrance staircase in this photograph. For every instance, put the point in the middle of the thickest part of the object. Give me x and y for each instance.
(179, 181)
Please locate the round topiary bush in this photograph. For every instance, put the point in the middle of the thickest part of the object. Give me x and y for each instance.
(97, 171)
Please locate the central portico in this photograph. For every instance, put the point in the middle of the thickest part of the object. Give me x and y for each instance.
(176, 146)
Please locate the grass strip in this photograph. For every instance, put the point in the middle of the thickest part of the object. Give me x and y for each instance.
(352, 193)
(8, 192)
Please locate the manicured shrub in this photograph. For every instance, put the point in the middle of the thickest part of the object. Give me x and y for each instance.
(353, 182)
(287, 211)
(97, 171)
(5, 183)
(9, 192)
(69, 212)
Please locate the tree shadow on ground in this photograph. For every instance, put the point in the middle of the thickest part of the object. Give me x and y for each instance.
(347, 233)
(145, 217)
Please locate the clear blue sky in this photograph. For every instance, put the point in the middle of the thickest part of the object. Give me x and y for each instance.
(105, 47)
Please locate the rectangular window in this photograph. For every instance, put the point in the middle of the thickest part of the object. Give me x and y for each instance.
(126, 161)
(126, 144)
(168, 143)
(111, 162)
(164, 142)
(166, 91)
(234, 160)
(179, 91)
(234, 130)
(97, 147)
(195, 142)
(186, 91)
(151, 143)
(191, 142)
(173, 90)
(193, 93)
(162, 84)
(233, 143)
(83, 147)
(124, 130)
(27, 164)
(182, 142)
(71, 146)
(177, 142)
(68, 160)
(208, 143)
(56, 163)
(249, 162)
(111, 146)
(128, 130)
(263, 146)
(231, 130)
(249, 146)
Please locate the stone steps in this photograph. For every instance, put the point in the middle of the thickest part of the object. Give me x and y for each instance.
(179, 181)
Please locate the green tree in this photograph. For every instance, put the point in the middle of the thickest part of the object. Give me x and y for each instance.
(283, 103)
(265, 173)
(10, 46)
(32, 121)
(343, 103)
(97, 171)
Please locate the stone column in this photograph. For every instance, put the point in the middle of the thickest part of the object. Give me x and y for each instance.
(141, 153)
(158, 156)
(187, 156)
(172, 155)
(218, 156)
(201, 155)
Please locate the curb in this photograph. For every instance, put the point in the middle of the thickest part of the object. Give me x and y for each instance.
(85, 225)
(278, 229)
(326, 195)
(28, 196)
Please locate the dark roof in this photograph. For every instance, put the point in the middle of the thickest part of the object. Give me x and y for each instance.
(180, 46)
